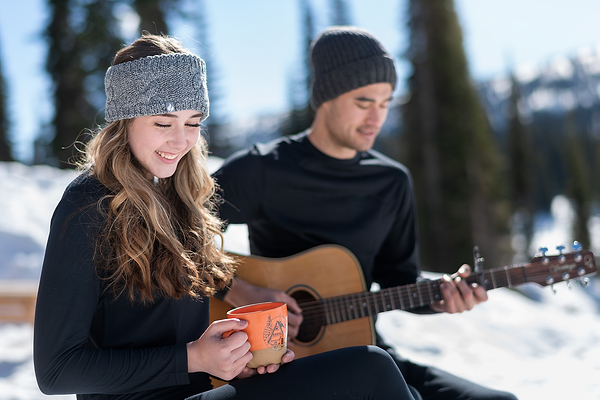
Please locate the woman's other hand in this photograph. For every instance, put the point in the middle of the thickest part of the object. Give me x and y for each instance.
(223, 357)
(288, 357)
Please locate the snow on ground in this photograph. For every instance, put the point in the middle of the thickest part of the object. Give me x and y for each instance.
(534, 343)
(548, 349)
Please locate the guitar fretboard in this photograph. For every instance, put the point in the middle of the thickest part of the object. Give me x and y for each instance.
(420, 294)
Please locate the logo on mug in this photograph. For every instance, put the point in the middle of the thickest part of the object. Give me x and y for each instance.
(274, 333)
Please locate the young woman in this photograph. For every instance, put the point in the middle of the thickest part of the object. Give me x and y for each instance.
(131, 262)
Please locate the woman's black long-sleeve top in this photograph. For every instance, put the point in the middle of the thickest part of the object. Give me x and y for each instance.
(90, 343)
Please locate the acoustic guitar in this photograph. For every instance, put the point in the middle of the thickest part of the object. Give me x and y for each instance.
(338, 309)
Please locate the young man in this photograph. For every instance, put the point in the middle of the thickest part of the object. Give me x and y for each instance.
(326, 186)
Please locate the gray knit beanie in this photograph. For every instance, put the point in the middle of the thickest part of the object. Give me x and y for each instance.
(156, 85)
(345, 58)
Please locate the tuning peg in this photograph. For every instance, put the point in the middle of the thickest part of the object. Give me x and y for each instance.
(566, 277)
(577, 248)
(550, 281)
(583, 281)
(542, 251)
(561, 257)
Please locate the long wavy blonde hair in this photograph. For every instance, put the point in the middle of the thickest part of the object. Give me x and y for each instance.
(160, 235)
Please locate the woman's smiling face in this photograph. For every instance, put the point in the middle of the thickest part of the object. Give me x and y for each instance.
(158, 142)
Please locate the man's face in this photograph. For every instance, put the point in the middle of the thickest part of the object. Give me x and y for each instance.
(353, 120)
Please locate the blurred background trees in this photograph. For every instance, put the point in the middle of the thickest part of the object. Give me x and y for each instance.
(452, 153)
(152, 15)
(215, 131)
(82, 40)
(5, 147)
(486, 157)
(520, 158)
(301, 115)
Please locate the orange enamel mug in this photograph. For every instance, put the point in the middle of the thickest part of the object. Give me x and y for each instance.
(267, 331)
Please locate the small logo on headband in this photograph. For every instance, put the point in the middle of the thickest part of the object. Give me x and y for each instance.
(170, 106)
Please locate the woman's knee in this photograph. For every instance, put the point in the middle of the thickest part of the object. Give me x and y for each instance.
(378, 364)
(380, 359)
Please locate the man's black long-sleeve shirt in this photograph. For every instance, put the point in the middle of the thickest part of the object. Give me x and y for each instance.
(293, 198)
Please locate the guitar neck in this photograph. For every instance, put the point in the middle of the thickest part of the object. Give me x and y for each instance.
(423, 293)
(420, 294)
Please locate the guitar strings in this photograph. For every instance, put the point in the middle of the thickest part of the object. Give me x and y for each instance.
(359, 305)
(320, 312)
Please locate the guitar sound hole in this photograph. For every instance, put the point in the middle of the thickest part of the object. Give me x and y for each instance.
(313, 313)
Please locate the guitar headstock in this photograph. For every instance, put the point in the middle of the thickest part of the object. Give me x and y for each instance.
(547, 270)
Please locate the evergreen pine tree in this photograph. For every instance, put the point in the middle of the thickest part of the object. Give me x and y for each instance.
(5, 145)
(81, 42)
(578, 183)
(152, 15)
(215, 127)
(520, 173)
(301, 116)
(519, 150)
(547, 130)
(63, 65)
(451, 151)
(596, 173)
(340, 12)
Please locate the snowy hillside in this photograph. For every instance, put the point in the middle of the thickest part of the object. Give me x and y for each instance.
(558, 86)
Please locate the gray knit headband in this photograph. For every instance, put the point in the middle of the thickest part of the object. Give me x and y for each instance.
(156, 85)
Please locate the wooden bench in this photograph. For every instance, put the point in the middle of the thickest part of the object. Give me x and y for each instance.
(17, 301)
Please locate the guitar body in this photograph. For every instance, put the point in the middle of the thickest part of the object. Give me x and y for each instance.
(319, 273)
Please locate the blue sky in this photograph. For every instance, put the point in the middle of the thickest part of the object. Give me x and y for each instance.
(256, 46)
